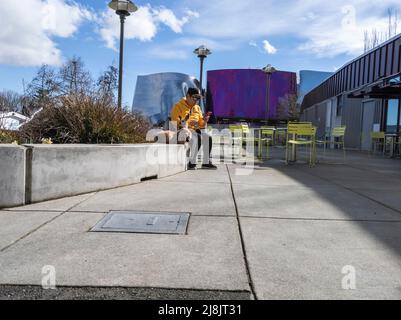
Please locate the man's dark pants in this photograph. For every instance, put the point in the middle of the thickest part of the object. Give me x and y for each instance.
(200, 137)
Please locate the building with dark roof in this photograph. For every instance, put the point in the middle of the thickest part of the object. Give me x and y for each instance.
(309, 79)
(363, 95)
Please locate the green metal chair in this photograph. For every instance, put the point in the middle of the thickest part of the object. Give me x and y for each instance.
(260, 140)
(336, 138)
(301, 134)
(237, 137)
(268, 134)
(245, 134)
(378, 139)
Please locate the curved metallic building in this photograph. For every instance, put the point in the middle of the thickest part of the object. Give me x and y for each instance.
(156, 94)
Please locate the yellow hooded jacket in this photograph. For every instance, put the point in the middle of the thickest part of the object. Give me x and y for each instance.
(182, 110)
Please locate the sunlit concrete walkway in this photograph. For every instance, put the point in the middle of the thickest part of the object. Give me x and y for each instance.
(280, 232)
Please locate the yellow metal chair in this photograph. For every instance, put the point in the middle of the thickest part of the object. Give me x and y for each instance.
(302, 134)
(245, 134)
(236, 139)
(338, 134)
(254, 139)
(265, 131)
(392, 144)
(292, 128)
(378, 139)
(336, 138)
(236, 130)
(268, 135)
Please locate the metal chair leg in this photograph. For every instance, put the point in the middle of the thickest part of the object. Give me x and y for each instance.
(286, 153)
(344, 151)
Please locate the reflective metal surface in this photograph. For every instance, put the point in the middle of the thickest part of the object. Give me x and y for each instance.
(156, 94)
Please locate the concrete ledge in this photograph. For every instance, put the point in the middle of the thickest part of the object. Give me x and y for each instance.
(12, 175)
(48, 172)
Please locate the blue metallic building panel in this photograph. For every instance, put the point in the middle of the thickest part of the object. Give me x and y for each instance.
(156, 94)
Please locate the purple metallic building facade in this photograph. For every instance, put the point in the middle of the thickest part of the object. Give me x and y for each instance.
(242, 93)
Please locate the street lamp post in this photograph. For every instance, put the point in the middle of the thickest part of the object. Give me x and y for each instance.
(202, 52)
(123, 8)
(269, 70)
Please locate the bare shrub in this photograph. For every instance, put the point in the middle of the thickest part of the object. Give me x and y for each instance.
(288, 108)
(10, 101)
(88, 120)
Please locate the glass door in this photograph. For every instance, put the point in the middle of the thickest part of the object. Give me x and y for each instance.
(393, 123)
(393, 116)
(368, 114)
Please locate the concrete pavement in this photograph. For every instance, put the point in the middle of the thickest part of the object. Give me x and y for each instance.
(283, 232)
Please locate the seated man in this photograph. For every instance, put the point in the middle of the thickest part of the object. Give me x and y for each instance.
(187, 113)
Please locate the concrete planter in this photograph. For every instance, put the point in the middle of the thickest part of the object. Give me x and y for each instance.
(34, 173)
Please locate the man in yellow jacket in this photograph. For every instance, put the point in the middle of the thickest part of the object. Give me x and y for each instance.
(187, 113)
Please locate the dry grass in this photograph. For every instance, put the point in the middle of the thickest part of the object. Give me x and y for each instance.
(88, 120)
(9, 136)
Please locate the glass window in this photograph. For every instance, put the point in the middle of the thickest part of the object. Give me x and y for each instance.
(395, 80)
(399, 116)
(392, 116)
(339, 105)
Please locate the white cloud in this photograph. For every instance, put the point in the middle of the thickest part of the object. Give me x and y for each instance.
(268, 47)
(253, 44)
(182, 48)
(167, 17)
(61, 18)
(326, 28)
(142, 25)
(27, 31)
(169, 53)
(195, 42)
(138, 26)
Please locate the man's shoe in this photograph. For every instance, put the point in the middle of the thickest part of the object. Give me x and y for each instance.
(209, 166)
(191, 166)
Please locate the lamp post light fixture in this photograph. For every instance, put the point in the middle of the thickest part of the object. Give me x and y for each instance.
(269, 70)
(123, 8)
(202, 52)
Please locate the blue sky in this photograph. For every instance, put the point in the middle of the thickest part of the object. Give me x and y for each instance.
(160, 37)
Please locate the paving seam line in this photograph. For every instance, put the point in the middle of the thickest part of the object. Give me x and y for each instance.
(194, 181)
(354, 191)
(248, 271)
(322, 219)
(29, 210)
(44, 224)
